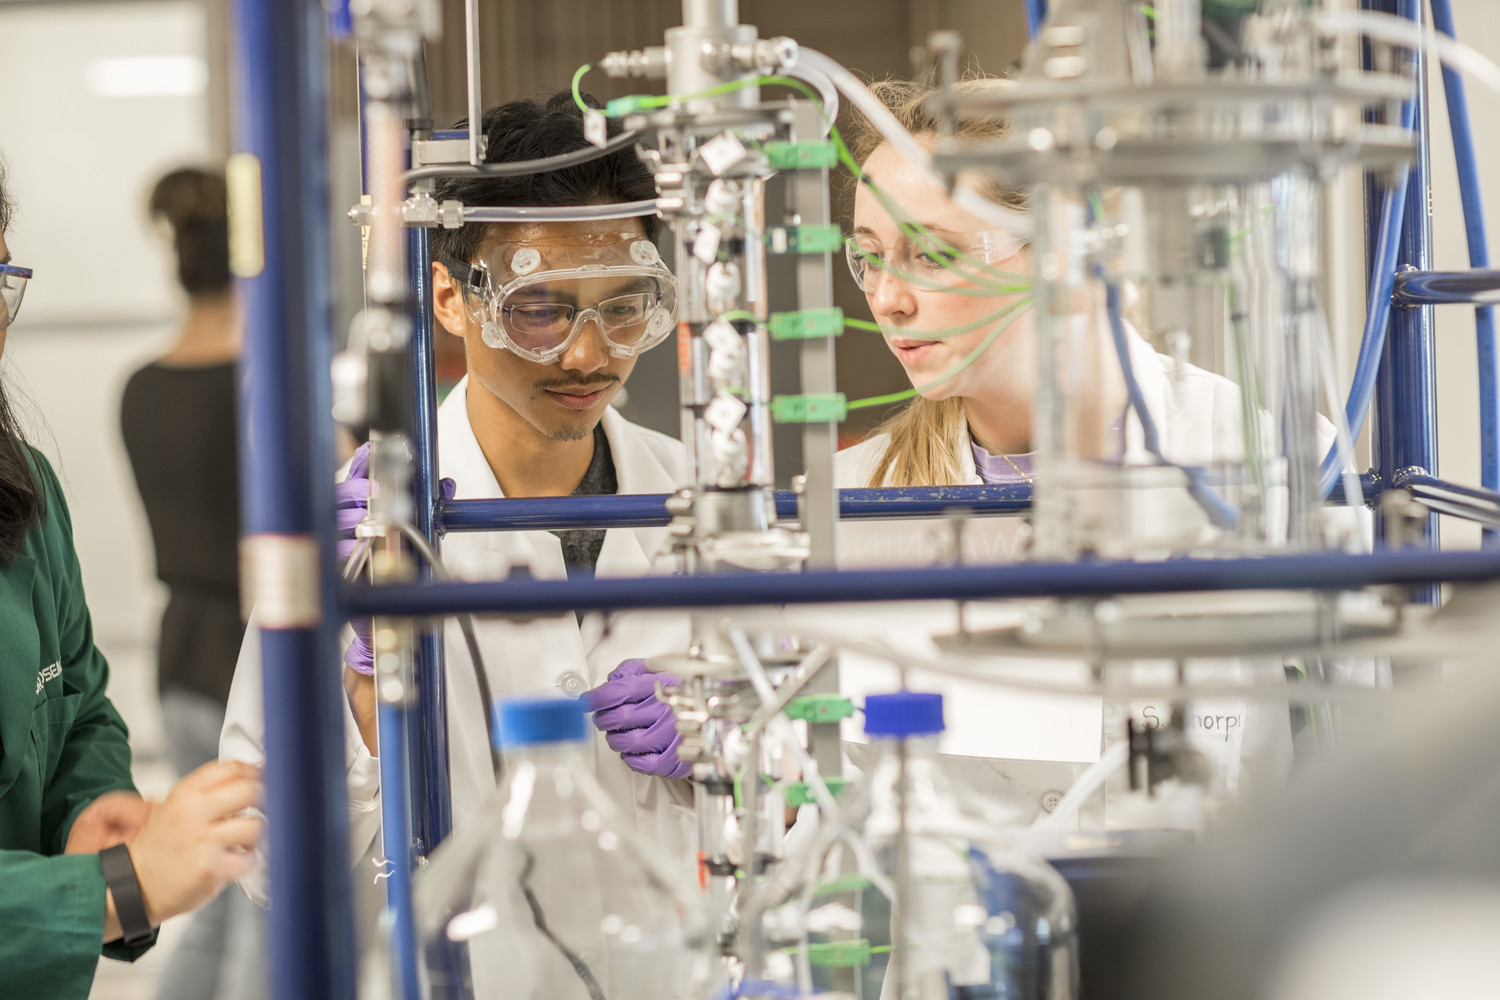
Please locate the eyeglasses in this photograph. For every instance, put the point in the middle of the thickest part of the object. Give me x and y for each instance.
(12, 289)
(539, 316)
(936, 263)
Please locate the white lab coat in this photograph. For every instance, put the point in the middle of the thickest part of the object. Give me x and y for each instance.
(544, 656)
(1198, 418)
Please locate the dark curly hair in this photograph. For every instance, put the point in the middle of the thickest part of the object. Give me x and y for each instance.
(529, 129)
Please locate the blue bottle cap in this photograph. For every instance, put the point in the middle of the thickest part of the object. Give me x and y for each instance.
(904, 713)
(525, 722)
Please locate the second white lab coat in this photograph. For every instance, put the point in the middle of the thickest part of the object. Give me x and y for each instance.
(1199, 419)
(554, 655)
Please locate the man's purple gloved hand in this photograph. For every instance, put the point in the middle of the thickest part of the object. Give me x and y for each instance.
(637, 726)
(352, 498)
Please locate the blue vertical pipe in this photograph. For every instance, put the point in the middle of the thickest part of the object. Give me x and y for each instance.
(1405, 428)
(431, 798)
(286, 449)
(1479, 258)
(396, 829)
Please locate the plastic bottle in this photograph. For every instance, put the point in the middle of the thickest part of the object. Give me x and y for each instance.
(974, 914)
(549, 896)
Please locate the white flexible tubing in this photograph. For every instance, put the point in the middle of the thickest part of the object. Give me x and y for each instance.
(1400, 31)
(1089, 782)
(827, 92)
(906, 144)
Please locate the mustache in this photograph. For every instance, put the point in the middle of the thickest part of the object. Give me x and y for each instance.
(567, 384)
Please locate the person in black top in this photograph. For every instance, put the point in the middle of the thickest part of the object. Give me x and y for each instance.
(178, 420)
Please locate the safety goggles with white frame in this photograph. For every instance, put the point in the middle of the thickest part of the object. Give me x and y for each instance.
(624, 288)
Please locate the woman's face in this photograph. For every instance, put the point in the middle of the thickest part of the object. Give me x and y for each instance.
(930, 298)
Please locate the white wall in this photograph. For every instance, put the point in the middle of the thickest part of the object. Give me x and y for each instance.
(103, 300)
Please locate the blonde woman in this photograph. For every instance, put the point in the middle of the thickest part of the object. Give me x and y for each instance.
(958, 323)
(956, 317)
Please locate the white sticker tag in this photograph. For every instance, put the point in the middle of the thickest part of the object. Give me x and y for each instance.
(706, 245)
(722, 152)
(724, 412)
(596, 127)
(721, 336)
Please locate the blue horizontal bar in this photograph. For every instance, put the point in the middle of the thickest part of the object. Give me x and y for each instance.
(1423, 288)
(648, 510)
(1470, 503)
(1313, 571)
(1418, 481)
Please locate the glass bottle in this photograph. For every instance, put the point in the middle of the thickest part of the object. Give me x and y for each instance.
(950, 906)
(549, 896)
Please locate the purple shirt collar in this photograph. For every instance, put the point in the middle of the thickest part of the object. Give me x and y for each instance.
(1002, 470)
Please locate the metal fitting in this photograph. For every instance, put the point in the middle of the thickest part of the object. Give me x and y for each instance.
(649, 63)
(420, 210)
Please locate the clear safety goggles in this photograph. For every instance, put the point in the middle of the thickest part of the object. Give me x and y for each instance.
(936, 262)
(12, 289)
(533, 300)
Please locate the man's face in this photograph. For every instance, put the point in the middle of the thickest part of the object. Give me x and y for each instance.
(562, 400)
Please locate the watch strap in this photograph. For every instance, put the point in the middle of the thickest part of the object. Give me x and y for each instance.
(130, 905)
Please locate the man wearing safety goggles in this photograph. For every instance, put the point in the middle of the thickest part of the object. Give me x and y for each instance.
(553, 316)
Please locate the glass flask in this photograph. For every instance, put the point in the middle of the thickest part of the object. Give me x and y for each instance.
(928, 899)
(549, 896)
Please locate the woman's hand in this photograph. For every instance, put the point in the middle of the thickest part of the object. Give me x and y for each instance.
(199, 840)
(113, 818)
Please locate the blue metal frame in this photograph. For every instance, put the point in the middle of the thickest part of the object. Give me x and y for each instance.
(427, 732)
(1479, 258)
(650, 510)
(1313, 571)
(286, 461)
(1436, 288)
(1404, 431)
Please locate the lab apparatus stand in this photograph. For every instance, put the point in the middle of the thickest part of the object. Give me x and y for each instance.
(729, 516)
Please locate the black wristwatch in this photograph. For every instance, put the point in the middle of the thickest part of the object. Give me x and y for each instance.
(130, 906)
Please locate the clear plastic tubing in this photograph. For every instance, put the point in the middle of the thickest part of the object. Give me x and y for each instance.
(904, 142)
(566, 213)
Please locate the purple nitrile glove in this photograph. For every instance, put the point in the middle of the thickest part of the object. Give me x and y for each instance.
(352, 502)
(640, 728)
(352, 499)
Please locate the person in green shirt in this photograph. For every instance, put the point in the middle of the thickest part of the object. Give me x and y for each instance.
(69, 890)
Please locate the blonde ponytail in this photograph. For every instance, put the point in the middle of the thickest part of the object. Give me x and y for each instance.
(924, 445)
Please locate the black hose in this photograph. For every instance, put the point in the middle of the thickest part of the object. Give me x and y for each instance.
(465, 625)
(540, 919)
